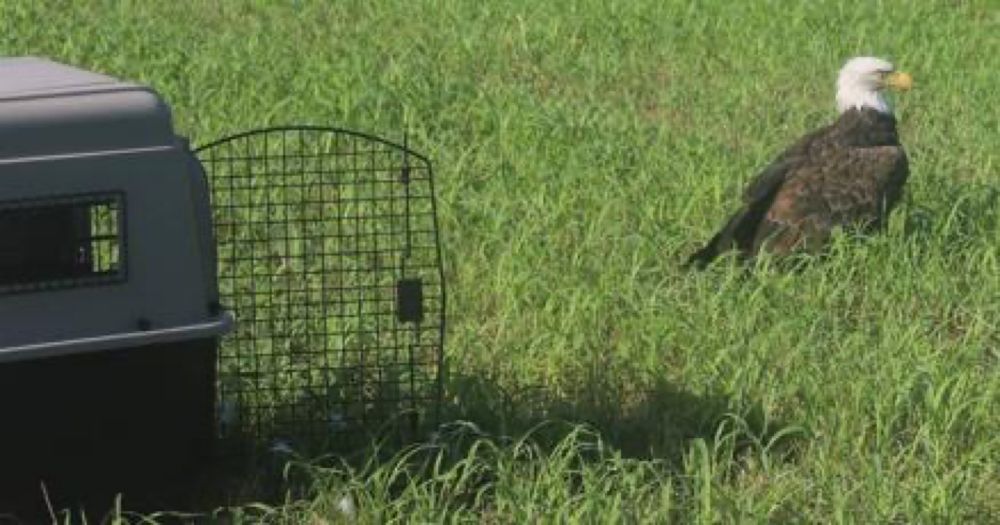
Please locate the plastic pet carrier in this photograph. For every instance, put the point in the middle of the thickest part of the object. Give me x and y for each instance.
(109, 310)
(277, 284)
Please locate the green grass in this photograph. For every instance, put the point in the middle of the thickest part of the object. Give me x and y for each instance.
(582, 149)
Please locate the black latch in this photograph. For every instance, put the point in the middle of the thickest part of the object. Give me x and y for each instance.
(410, 300)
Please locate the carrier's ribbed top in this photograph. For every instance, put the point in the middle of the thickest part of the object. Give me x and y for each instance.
(29, 76)
(47, 108)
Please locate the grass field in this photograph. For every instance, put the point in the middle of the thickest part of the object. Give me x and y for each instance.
(582, 150)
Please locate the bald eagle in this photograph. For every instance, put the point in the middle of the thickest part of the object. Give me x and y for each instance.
(848, 174)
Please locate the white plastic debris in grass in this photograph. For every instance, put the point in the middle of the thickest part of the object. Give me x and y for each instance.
(345, 504)
(282, 446)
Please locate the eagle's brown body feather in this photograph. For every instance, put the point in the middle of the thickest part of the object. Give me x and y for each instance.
(848, 174)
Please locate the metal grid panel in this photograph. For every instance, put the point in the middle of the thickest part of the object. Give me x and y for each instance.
(61, 242)
(328, 253)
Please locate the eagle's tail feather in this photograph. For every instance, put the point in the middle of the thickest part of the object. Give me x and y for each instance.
(738, 233)
(720, 243)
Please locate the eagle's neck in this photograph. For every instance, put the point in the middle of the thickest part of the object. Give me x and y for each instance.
(855, 96)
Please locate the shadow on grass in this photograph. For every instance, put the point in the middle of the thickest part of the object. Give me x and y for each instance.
(653, 420)
(657, 422)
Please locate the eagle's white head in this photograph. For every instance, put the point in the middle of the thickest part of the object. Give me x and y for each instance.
(862, 83)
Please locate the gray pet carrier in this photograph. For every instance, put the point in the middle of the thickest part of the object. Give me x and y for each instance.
(126, 255)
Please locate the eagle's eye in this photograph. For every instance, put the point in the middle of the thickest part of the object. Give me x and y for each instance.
(882, 76)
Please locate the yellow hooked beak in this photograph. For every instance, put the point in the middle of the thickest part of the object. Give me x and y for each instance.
(899, 81)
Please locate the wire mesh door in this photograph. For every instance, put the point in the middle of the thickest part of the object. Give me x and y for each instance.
(328, 252)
